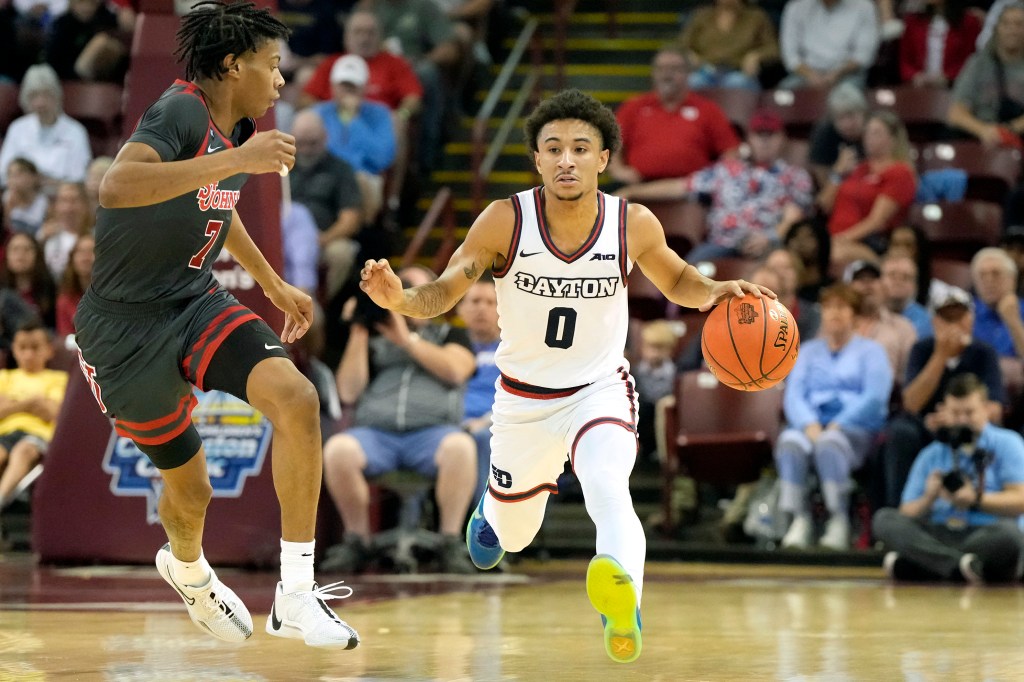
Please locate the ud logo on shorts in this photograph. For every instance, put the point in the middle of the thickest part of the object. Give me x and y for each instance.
(235, 436)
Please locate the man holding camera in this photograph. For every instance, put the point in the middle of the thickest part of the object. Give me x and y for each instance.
(934, 362)
(408, 376)
(962, 502)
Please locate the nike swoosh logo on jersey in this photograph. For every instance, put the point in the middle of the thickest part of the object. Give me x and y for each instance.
(269, 347)
(274, 621)
(211, 149)
(523, 254)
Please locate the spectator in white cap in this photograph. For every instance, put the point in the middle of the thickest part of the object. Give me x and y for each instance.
(56, 143)
(933, 363)
(358, 131)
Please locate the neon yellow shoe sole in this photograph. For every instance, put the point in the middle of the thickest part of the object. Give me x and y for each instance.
(612, 593)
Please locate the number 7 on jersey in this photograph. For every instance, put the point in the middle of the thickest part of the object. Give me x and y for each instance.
(212, 230)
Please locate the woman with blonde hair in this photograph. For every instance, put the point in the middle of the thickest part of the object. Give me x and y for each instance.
(70, 218)
(875, 196)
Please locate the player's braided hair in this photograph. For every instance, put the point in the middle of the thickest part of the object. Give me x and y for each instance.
(569, 104)
(214, 29)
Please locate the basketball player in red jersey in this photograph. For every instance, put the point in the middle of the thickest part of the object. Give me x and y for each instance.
(155, 322)
(561, 255)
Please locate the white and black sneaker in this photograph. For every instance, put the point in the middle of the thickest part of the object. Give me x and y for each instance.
(305, 615)
(214, 608)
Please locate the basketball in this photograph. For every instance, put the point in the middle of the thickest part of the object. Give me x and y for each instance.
(750, 343)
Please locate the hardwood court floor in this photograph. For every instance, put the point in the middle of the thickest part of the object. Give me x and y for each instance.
(701, 622)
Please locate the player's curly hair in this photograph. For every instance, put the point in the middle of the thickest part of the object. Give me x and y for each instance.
(569, 104)
(215, 29)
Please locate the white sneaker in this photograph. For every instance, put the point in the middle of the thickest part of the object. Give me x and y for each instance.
(214, 608)
(304, 615)
(971, 569)
(889, 564)
(799, 534)
(837, 533)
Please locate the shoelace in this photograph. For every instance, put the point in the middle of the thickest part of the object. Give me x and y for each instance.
(325, 592)
(216, 605)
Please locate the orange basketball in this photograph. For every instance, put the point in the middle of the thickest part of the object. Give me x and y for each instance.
(750, 343)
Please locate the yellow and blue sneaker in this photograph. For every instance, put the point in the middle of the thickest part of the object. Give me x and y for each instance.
(611, 591)
(484, 549)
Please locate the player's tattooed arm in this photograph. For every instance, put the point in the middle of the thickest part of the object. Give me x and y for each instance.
(426, 301)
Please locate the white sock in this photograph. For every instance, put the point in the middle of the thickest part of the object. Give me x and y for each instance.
(297, 565)
(604, 459)
(191, 573)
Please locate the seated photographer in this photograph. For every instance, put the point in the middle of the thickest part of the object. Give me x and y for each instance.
(408, 376)
(933, 363)
(962, 503)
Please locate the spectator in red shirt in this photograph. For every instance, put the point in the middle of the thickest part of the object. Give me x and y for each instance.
(392, 83)
(392, 79)
(948, 23)
(668, 133)
(875, 196)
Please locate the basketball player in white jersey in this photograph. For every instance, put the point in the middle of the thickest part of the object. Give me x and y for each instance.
(561, 255)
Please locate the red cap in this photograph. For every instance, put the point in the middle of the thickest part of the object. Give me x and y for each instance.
(764, 121)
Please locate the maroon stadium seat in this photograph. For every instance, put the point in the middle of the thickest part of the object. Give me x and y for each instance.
(957, 230)
(717, 434)
(952, 271)
(737, 103)
(684, 223)
(922, 110)
(9, 107)
(646, 302)
(991, 172)
(98, 106)
(799, 109)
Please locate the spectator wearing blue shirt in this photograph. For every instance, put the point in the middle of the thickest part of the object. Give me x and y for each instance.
(835, 404)
(960, 510)
(933, 363)
(899, 288)
(479, 310)
(359, 131)
(998, 312)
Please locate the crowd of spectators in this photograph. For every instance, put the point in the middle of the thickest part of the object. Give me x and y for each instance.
(827, 216)
(841, 229)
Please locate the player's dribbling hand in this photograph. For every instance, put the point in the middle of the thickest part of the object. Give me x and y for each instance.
(725, 289)
(381, 284)
(297, 307)
(267, 151)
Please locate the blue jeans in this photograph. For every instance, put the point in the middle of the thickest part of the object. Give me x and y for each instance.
(387, 451)
(710, 251)
(795, 81)
(709, 76)
(483, 459)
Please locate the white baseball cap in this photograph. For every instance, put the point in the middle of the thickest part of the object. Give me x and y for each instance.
(350, 69)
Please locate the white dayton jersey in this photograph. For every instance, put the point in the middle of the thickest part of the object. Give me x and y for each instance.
(564, 317)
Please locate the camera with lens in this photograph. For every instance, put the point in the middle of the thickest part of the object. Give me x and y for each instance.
(956, 436)
(368, 313)
(953, 480)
